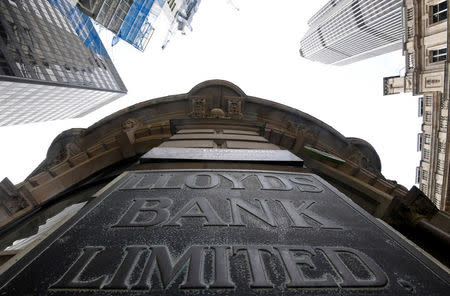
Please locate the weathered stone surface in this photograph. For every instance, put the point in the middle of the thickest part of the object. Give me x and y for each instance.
(190, 144)
(219, 137)
(239, 132)
(248, 155)
(250, 145)
(219, 232)
(196, 131)
(138, 128)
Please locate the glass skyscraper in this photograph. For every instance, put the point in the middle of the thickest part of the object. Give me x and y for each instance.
(347, 31)
(53, 64)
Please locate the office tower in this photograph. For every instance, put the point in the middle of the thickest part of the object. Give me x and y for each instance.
(52, 63)
(426, 74)
(133, 20)
(130, 20)
(214, 192)
(180, 14)
(347, 31)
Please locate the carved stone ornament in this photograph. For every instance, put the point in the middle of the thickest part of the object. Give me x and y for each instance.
(217, 113)
(235, 108)
(198, 108)
(430, 82)
(129, 124)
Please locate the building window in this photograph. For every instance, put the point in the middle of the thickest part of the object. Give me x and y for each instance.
(437, 202)
(417, 175)
(410, 14)
(410, 32)
(427, 116)
(427, 139)
(443, 121)
(426, 154)
(438, 188)
(428, 101)
(171, 4)
(419, 142)
(420, 112)
(441, 147)
(444, 102)
(439, 12)
(424, 188)
(440, 166)
(410, 60)
(424, 175)
(438, 55)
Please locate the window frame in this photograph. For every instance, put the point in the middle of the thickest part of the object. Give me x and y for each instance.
(438, 55)
(441, 13)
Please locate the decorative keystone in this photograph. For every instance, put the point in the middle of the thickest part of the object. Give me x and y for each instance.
(410, 208)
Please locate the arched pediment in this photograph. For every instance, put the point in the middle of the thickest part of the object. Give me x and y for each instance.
(77, 154)
(216, 88)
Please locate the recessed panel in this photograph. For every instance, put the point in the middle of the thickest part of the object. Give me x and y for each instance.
(227, 232)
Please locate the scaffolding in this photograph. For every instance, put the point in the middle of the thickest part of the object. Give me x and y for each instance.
(137, 27)
(182, 19)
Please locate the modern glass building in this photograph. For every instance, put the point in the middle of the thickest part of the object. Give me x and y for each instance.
(53, 64)
(346, 31)
(131, 20)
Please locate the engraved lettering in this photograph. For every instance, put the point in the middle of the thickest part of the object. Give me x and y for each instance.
(140, 206)
(302, 265)
(221, 270)
(237, 182)
(192, 181)
(71, 279)
(274, 182)
(193, 257)
(162, 182)
(257, 270)
(210, 180)
(134, 182)
(349, 279)
(294, 266)
(264, 215)
(297, 215)
(126, 267)
(305, 184)
(198, 208)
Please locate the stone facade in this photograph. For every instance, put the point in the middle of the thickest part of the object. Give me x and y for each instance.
(215, 115)
(426, 74)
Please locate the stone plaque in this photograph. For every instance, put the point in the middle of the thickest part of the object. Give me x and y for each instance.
(211, 232)
(209, 154)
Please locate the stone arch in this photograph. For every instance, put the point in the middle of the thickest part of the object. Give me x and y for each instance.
(217, 85)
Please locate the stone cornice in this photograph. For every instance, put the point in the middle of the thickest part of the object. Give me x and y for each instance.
(76, 154)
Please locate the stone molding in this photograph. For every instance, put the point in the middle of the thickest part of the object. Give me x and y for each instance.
(77, 154)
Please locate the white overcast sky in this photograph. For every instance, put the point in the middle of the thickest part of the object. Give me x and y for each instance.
(255, 47)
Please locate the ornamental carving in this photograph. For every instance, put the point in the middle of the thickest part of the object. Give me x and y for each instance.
(235, 108)
(198, 108)
(11, 200)
(217, 113)
(434, 81)
(129, 124)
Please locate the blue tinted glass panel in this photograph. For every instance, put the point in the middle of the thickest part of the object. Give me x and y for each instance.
(82, 25)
